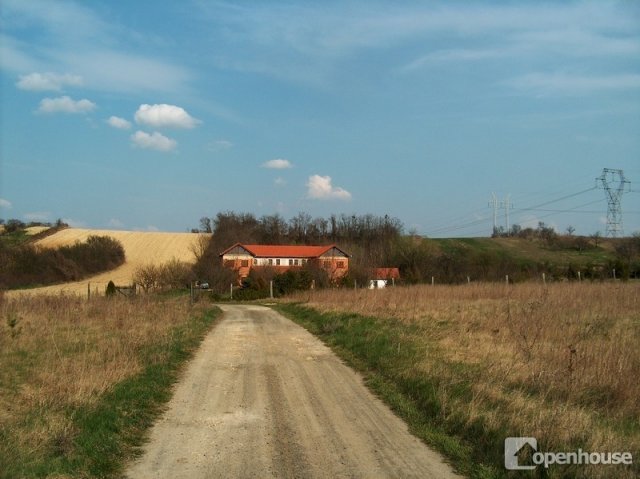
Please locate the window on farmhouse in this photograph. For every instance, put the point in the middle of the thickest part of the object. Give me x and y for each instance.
(244, 263)
(278, 262)
(326, 264)
(228, 263)
(340, 264)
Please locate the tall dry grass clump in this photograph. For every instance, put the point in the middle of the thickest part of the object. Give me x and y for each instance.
(557, 362)
(62, 353)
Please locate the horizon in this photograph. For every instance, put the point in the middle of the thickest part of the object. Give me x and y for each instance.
(143, 117)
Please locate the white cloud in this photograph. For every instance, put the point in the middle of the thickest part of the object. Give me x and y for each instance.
(277, 164)
(165, 116)
(153, 141)
(47, 81)
(6, 204)
(120, 123)
(279, 181)
(64, 104)
(320, 188)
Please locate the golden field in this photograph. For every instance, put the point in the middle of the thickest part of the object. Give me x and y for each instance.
(141, 248)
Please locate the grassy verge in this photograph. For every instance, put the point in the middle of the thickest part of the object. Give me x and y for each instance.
(82, 381)
(468, 366)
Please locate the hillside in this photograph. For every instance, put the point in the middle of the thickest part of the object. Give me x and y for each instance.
(521, 249)
(141, 248)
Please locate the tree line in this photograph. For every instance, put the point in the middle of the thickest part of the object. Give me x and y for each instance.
(25, 265)
(380, 241)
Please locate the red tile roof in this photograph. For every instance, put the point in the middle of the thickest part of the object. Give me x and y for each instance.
(386, 273)
(283, 251)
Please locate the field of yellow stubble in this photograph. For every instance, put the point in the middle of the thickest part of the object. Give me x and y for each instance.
(142, 248)
(558, 362)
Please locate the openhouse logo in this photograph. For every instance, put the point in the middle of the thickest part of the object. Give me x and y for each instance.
(521, 454)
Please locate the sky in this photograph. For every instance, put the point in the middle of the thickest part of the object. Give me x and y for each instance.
(150, 115)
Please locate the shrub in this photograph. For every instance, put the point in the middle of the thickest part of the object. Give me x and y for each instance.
(111, 289)
(26, 265)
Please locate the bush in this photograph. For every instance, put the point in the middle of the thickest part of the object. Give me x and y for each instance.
(111, 289)
(25, 265)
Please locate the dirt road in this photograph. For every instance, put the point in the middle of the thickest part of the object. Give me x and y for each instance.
(264, 398)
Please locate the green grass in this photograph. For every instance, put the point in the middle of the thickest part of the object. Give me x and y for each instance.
(385, 353)
(106, 434)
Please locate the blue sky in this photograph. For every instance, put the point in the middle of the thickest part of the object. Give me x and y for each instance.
(149, 115)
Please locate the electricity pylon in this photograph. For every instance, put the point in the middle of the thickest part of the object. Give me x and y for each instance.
(613, 183)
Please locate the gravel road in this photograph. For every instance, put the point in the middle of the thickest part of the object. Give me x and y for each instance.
(264, 398)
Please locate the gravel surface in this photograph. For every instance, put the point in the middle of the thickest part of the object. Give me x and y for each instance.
(264, 398)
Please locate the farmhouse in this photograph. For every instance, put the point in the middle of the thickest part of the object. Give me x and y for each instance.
(244, 257)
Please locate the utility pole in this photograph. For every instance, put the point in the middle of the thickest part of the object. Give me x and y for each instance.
(613, 183)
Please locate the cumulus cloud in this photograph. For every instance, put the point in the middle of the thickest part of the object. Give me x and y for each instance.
(165, 116)
(64, 104)
(120, 123)
(320, 188)
(6, 204)
(277, 164)
(153, 141)
(47, 81)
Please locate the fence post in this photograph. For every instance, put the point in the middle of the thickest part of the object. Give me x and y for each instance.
(88, 290)
(614, 274)
(506, 278)
(579, 277)
(271, 289)
(544, 278)
(468, 279)
(433, 280)
(231, 297)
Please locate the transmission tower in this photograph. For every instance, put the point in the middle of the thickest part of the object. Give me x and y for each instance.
(493, 203)
(503, 205)
(613, 183)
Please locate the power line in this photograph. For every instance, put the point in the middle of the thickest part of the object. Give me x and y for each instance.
(531, 208)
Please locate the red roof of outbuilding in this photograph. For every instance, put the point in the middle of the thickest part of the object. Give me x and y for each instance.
(284, 251)
(386, 273)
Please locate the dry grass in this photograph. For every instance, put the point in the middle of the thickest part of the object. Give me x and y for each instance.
(559, 363)
(58, 354)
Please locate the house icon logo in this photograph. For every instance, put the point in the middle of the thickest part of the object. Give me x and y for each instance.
(518, 453)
